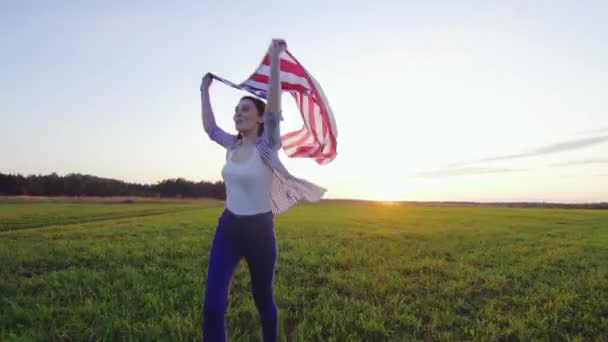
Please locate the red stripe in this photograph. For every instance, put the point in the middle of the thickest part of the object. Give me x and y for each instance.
(301, 107)
(298, 142)
(323, 161)
(284, 85)
(304, 151)
(297, 97)
(328, 131)
(330, 143)
(320, 160)
(314, 91)
(316, 153)
(332, 147)
(320, 154)
(319, 116)
(287, 66)
(291, 134)
(311, 118)
(325, 123)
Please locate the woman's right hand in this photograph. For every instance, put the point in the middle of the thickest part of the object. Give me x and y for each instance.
(206, 83)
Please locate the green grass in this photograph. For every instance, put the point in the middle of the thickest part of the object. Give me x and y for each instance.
(345, 272)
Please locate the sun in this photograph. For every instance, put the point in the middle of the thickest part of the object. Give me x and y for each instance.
(384, 192)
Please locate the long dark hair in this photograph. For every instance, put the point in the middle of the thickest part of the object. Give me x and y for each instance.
(260, 106)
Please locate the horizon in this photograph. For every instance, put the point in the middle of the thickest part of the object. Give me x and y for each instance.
(322, 199)
(499, 102)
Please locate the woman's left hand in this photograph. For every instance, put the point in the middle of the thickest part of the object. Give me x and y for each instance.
(277, 46)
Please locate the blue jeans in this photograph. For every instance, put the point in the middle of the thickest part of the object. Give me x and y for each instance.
(237, 236)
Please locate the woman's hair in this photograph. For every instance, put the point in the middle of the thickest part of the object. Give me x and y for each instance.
(260, 106)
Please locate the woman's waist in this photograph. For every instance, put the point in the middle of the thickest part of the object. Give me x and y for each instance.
(234, 213)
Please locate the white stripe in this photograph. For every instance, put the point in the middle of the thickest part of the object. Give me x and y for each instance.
(284, 76)
(328, 145)
(309, 140)
(329, 113)
(318, 123)
(311, 152)
(304, 104)
(295, 138)
(257, 85)
(286, 57)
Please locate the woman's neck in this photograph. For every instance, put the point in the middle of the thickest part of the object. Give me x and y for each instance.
(249, 138)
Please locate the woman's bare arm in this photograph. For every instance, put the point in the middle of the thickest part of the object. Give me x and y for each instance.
(213, 131)
(273, 106)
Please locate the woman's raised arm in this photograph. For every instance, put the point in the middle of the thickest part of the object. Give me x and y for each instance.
(213, 130)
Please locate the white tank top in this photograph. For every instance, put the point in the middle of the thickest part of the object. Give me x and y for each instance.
(248, 184)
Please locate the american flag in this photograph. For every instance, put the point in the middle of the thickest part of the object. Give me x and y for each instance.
(317, 137)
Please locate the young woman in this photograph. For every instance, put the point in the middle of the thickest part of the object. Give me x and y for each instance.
(258, 187)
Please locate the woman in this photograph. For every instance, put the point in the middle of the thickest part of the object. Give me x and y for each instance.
(258, 187)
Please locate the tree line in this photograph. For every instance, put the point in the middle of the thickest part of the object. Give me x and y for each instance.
(75, 184)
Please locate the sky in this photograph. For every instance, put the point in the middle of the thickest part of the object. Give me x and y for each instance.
(434, 100)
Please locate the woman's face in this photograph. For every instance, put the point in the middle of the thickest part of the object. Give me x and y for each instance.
(246, 116)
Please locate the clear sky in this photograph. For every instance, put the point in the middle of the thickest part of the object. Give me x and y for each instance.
(434, 100)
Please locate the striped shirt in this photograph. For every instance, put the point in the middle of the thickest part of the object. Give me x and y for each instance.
(286, 189)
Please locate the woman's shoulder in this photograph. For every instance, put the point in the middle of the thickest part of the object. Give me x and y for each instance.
(269, 155)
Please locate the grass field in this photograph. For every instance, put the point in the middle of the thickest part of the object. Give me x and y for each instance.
(346, 272)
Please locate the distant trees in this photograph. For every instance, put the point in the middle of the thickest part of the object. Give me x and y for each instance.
(75, 184)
